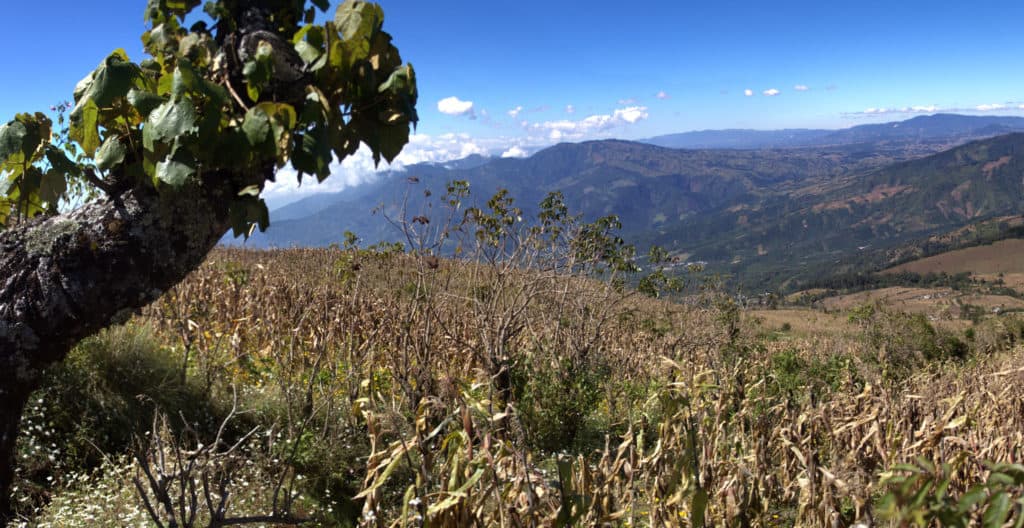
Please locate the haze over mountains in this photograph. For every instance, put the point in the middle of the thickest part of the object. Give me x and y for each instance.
(768, 207)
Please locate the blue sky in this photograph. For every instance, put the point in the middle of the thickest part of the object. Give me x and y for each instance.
(539, 72)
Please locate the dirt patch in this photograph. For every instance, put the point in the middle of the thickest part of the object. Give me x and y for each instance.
(875, 195)
(991, 166)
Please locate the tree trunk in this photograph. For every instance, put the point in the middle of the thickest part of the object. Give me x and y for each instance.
(10, 417)
(65, 277)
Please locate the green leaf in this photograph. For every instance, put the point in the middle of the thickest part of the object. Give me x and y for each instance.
(83, 85)
(12, 136)
(259, 70)
(309, 54)
(20, 140)
(357, 19)
(1000, 478)
(312, 154)
(282, 120)
(698, 505)
(196, 47)
(144, 102)
(113, 79)
(52, 187)
(997, 510)
(172, 119)
(392, 139)
(969, 499)
(60, 162)
(84, 126)
(256, 127)
(184, 79)
(399, 82)
(173, 173)
(247, 213)
(111, 154)
(5, 211)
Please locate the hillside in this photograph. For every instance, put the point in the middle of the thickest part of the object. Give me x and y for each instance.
(647, 186)
(1004, 256)
(764, 218)
(799, 234)
(442, 395)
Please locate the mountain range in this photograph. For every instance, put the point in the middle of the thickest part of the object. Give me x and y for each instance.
(937, 128)
(769, 217)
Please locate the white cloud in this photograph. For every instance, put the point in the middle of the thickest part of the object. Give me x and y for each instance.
(801, 88)
(662, 95)
(358, 168)
(771, 92)
(570, 109)
(514, 152)
(748, 92)
(455, 106)
(595, 124)
(916, 109)
(989, 107)
(515, 111)
(631, 114)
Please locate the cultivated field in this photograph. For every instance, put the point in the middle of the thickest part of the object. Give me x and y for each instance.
(1003, 256)
(383, 389)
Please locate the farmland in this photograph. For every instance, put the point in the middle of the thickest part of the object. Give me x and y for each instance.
(1004, 256)
(378, 388)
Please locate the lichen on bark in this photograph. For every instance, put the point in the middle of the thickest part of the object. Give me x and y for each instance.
(42, 241)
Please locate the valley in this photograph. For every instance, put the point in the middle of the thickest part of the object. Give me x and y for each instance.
(768, 218)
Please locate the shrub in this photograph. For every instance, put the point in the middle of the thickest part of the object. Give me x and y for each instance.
(795, 376)
(95, 401)
(902, 343)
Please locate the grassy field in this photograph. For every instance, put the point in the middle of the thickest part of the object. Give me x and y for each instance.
(1004, 256)
(799, 322)
(380, 389)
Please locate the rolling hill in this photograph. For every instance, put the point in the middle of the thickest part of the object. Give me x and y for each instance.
(647, 186)
(767, 218)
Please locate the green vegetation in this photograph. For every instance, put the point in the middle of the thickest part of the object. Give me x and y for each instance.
(165, 120)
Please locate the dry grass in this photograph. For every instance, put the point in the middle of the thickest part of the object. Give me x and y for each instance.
(801, 322)
(1004, 256)
(461, 394)
(714, 431)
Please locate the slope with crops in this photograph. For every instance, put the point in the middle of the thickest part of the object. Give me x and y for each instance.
(525, 384)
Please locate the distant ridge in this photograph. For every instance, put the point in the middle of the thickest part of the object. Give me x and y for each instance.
(764, 216)
(950, 128)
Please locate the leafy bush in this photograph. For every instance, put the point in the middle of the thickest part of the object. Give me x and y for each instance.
(921, 494)
(94, 402)
(557, 401)
(902, 343)
(795, 376)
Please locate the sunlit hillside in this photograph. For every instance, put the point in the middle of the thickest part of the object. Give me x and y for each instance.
(346, 387)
